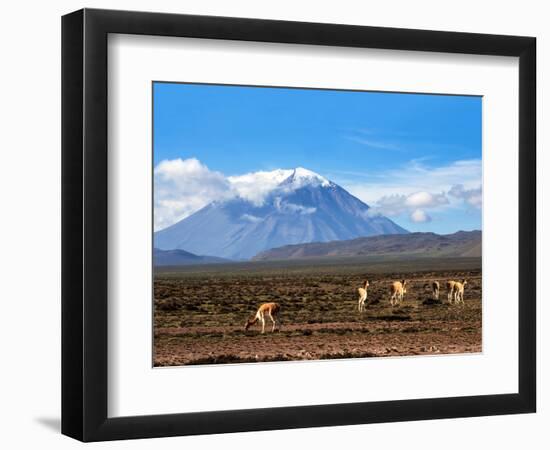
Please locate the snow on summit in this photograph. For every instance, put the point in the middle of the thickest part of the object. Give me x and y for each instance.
(300, 177)
(255, 186)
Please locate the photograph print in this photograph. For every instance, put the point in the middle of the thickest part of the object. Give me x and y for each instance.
(297, 224)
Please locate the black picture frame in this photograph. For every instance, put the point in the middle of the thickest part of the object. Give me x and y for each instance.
(84, 224)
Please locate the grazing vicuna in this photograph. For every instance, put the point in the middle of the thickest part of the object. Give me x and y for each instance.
(362, 296)
(271, 309)
(459, 291)
(397, 291)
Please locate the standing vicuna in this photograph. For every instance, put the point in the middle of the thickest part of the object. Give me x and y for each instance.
(434, 288)
(362, 296)
(450, 291)
(459, 291)
(271, 309)
(397, 291)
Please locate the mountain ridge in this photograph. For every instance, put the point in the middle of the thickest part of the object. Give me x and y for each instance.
(459, 244)
(178, 257)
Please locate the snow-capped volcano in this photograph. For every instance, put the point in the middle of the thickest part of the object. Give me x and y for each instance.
(272, 209)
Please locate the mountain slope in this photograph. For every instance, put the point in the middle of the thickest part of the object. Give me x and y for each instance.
(303, 207)
(460, 244)
(182, 258)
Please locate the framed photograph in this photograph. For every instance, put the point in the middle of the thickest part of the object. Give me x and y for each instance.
(272, 224)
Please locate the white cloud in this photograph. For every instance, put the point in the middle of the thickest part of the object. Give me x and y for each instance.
(415, 177)
(426, 199)
(251, 218)
(396, 204)
(183, 187)
(255, 186)
(418, 187)
(472, 197)
(285, 207)
(420, 216)
(372, 143)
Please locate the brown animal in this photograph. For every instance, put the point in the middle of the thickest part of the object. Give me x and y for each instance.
(450, 290)
(459, 291)
(434, 288)
(397, 291)
(271, 309)
(362, 296)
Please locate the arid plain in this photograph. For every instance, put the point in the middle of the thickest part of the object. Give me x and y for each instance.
(200, 311)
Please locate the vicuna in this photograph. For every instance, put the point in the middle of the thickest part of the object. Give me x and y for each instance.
(397, 291)
(362, 296)
(272, 311)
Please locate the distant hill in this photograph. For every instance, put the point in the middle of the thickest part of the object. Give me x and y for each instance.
(182, 258)
(459, 244)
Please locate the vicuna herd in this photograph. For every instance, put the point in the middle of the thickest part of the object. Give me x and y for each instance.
(455, 292)
(397, 290)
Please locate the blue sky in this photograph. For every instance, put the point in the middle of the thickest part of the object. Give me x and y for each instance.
(416, 158)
